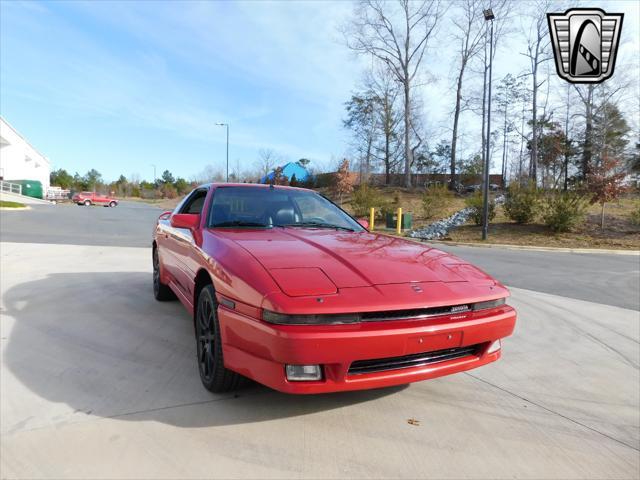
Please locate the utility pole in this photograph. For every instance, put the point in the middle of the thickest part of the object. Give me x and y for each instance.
(488, 16)
(226, 125)
(566, 142)
(154, 173)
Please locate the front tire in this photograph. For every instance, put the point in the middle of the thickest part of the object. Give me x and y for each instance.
(214, 376)
(112, 204)
(87, 203)
(161, 292)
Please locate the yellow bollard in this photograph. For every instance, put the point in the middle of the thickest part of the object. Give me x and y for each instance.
(399, 224)
(372, 217)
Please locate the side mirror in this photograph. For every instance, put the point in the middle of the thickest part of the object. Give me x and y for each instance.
(364, 222)
(165, 215)
(185, 220)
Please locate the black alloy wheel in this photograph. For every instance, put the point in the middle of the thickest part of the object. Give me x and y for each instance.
(215, 377)
(161, 292)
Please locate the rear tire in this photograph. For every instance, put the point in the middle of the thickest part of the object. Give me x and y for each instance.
(87, 203)
(214, 376)
(112, 204)
(161, 292)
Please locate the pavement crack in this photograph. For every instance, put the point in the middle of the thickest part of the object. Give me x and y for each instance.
(572, 420)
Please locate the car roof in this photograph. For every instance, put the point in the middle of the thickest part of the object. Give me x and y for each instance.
(250, 185)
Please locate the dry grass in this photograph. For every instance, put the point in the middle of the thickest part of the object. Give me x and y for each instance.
(163, 203)
(411, 202)
(619, 232)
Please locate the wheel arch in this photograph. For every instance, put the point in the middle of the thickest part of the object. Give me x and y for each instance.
(203, 278)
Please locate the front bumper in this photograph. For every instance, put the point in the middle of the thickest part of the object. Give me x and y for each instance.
(260, 350)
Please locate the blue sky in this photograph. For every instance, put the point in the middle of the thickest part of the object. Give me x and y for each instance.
(122, 85)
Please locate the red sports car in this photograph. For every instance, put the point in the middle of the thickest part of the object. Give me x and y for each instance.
(289, 290)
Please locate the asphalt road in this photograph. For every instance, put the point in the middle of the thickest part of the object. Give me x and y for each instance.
(130, 224)
(100, 381)
(610, 279)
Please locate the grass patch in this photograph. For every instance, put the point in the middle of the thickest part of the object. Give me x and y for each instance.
(6, 204)
(411, 201)
(163, 203)
(619, 231)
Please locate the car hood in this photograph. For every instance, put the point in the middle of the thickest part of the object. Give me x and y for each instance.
(307, 261)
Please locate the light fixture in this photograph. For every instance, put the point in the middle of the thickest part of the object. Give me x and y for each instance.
(494, 347)
(303, 373)
(488, 14)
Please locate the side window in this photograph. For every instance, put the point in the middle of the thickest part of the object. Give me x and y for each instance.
(195, 202)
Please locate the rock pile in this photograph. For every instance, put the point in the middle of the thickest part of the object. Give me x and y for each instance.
(442, 227)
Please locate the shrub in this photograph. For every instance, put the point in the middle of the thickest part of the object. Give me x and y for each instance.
(389, 205)
(434, 200)
(475, 203)
(635, 215)
(168, 191)
(564, 210)
(522, 204)
(363, 198)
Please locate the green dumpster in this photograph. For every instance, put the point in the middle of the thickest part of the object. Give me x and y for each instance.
(30, 188)
(392, 220)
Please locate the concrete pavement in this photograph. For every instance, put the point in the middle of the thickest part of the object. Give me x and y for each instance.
(99, 380)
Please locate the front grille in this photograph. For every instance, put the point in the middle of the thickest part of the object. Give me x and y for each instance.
(419, 313)
(416, 313)
(415, 360)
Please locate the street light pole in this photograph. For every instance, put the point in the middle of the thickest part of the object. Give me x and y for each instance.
(154, 173)
(488, 16)
(226, 125)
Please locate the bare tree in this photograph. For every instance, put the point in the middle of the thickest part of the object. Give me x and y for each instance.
(608, 93)
(209, 174)
(501, 27)
(398, 34)
(468, 34)
(538, 41)
(385, 89)
(267, 158)
(507, 94)
(362, 120)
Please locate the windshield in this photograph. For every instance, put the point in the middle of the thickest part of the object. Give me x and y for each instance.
(269, 207)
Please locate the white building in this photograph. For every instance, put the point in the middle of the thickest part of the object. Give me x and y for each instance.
(19, 160)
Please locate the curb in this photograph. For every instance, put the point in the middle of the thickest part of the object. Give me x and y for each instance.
(635, 253)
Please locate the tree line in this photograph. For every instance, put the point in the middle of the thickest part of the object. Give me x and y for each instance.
(548, 132)
(166, 186)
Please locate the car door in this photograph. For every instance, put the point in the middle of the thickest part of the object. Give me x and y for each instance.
(180, 242)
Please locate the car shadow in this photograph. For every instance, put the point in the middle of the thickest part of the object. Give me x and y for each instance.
(100, 344)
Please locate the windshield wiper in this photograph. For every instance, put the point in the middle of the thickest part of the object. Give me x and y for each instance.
(317, 225)
(238, 223)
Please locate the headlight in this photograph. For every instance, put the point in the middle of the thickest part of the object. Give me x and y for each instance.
(489, 304)
(282, 319)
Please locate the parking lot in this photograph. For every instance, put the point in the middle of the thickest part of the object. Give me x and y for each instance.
(98, 380)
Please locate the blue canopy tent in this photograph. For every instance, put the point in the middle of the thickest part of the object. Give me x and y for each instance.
(289, 170)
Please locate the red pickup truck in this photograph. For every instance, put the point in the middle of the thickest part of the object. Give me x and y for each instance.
(92, 198)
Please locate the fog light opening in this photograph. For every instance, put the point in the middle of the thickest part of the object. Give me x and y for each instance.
(494, 347)
(303, 373)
